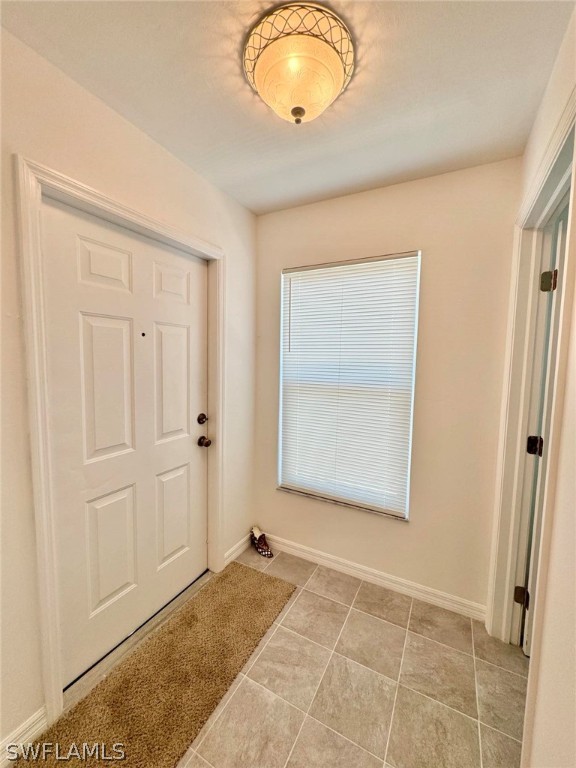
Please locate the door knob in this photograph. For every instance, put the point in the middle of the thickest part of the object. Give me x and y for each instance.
(204, 442)
(202, 418)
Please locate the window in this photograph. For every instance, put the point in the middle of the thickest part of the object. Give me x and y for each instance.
(347, 381)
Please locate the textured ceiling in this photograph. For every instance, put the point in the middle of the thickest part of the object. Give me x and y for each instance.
(438, 86)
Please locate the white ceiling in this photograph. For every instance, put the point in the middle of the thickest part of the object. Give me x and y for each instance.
(438, 86)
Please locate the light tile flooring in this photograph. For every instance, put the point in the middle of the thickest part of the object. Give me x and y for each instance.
(352, 675)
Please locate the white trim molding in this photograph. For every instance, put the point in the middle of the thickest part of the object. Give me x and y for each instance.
(552, 181)
(36, 182)
(27, 732)
(237, 549)
(405, 587)
(557, 140)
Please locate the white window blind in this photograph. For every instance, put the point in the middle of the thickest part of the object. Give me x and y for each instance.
(347, 381)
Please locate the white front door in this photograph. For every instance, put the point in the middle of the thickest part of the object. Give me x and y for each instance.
(126, 347)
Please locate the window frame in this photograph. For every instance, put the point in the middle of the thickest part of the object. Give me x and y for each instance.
(287, 488)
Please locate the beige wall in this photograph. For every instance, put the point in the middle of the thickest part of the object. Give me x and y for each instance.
(463, 223)
(50, 119)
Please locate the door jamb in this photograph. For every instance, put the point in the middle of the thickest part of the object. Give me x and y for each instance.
(556, 170)
(36, 182)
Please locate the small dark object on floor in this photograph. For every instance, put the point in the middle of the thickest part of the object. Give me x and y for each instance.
(259, 540)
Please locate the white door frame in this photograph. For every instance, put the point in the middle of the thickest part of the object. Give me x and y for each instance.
(555, 174)
(36, 182)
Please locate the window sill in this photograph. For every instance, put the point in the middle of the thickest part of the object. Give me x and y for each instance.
(339, 503)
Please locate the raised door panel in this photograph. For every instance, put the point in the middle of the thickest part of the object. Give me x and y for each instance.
(111, 547)
(107, 386)
(104, 265)
(171, 283)
(172, 362)
(173, 513)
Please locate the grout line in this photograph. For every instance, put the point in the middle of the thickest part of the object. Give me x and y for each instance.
(203, 739)
(323, 674)
(253, 567)
(294, 595)
(451, 647)
(201, 758)
(378, 618)
(293, 631)
(355, 743)
(398, 683)
(269, 563)
(491, 664)
(347, 605)
(444, 645)
(491, 727)
(311, 717)
(191, 754)
(295, 740)
(333, 650)
(277, 695)
(344, 624)
(359, 610)
(370, 669)
(274, 628)
(309, 577)
(342, 655)
(441, 703)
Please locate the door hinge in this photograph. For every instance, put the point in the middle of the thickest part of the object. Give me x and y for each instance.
(534, 445)
(522, 596)
(549, 280)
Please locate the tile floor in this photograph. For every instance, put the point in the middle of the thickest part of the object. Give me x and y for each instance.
(352, 675)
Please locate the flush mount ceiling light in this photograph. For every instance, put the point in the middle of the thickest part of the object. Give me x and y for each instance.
(298, 58)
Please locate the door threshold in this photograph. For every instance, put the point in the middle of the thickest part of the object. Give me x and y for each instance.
(83, 684)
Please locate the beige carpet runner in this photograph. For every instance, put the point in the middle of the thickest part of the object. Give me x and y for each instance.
(156, 700)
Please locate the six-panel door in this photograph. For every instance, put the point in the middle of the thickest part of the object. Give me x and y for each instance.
(126, 348)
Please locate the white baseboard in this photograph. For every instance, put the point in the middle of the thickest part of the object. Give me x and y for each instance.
(411, 588)
(28, 731)
(236, 550)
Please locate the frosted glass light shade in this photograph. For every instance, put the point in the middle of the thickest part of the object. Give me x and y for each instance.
(299, 73)
(299, 58)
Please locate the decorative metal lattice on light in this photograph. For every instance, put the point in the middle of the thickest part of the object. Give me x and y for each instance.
(299, 57)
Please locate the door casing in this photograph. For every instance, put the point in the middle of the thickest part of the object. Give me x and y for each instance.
(541, 398)
(36, 182)
(556, 177)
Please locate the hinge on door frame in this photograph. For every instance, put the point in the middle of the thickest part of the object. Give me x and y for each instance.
(549, 280)
(534, 445)
(522, 596)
